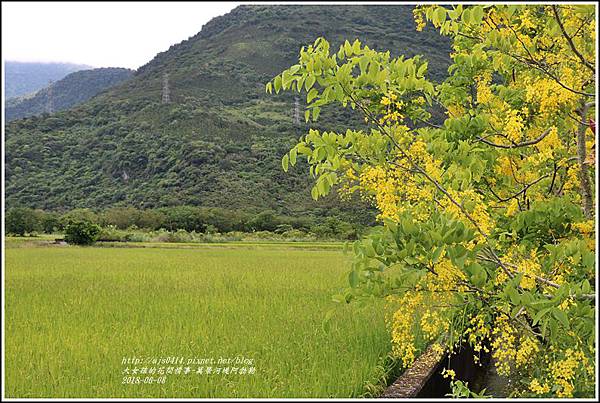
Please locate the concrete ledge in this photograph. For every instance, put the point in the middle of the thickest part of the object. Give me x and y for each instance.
(410, 383)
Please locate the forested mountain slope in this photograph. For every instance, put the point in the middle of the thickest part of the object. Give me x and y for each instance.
(220, 138)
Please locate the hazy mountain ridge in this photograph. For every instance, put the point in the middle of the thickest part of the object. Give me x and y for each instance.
(72, 90)
(25, 78)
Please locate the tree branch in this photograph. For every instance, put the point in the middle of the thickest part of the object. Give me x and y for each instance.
(522, 190)
(570, 40)
(515, 145)
(584, 178)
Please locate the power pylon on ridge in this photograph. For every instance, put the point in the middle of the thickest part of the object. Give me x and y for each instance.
(166, 93)
(50, 97)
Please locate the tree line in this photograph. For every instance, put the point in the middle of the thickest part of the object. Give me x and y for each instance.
(22, 221)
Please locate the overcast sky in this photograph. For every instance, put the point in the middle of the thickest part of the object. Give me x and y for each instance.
(110, 34)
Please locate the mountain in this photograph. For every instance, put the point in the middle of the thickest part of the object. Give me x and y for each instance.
(220, 138)
(23, 78)
(72, 90)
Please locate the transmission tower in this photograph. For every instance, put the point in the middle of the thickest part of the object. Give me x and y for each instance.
(166, 94)
(50, 98)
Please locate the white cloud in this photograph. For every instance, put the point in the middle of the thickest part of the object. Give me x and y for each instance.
(100, 34)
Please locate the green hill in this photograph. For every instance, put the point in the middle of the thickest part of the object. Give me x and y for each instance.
(74, 89)
(219, 140)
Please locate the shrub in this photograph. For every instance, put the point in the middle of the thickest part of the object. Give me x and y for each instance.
(81, 233)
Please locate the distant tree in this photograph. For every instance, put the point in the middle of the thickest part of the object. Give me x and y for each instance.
(121, 217)
(264, 221)
(182, 217)
(48, 221)
(333, 227)
(150, 219)
(79, 215)
(21, 221)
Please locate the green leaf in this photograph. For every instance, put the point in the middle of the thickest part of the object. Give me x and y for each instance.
(285, 162)
(561, 316)
(436, 254)
(363, 63)
(585, 286)
(440, 15)
(540, 314)
(513, 294)
(269, 88)
(311, 95)
(348, 49)
(356, 47)
(286, 79)
(314, 192)
(316, 111)
(422, 70)
(293, 154)
(466, 16)
(310, 81)
(477, 14)
(277, 84)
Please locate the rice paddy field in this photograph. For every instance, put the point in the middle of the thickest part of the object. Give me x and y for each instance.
(94, 321)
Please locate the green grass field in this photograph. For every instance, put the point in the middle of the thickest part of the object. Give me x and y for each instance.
(73, 314)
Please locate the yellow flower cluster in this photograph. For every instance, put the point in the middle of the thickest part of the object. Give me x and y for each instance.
(455, 111)
(528, 347)
(566, 304)
(548, 146)
(503, 345)
(512, 208)
(393, 106)
(563, 372)
(402, 327)
(419, 20)
(549, 95)
(438, 349)
(504, 166)
(416, 311)
(572, 183)
(419, 154)
(530, 268)
(448, 373)
(347, 184)
(538, 388)
(513, 126)
(526, 20)
(393, 189)
(484, 92)
(477, 333)
(585, 227)
(479, 213)
(432, 324)
(446, 277)
(384, 185)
